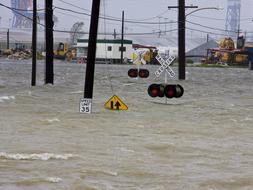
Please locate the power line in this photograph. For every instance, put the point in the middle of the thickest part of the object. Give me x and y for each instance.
(74, 5)
(64, 13)
(19, 13)
(154, 17)
(65, 31)
(141, 33)
(112, 16)
(213, 28)
(27, 10)
(114, 19)
(212, 18)
(202, 31)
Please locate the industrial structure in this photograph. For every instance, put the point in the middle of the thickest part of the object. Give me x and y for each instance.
(233, 18)
(22, 14)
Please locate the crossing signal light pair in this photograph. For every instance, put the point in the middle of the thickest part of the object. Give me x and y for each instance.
(168, 90)
(142, 73)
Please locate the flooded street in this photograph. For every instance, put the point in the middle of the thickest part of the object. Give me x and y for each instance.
(202, 141)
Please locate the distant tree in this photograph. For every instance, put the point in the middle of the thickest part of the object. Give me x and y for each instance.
(75, 32)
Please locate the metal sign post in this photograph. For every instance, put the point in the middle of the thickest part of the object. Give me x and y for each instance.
(165, 81)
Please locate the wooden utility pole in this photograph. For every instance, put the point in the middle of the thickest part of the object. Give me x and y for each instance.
(181, 37)
(114, 34)
(90, 68)
(8, 38)
(122, 39)
(34, 43)
(49, 74)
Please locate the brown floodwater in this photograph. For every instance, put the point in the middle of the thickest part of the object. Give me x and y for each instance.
(201, 141)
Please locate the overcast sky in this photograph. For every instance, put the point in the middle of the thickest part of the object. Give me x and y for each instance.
(146, 10)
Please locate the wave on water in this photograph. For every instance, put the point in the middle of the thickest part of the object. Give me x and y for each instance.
(3, 98)
(34, 181)
(76, 92)
(54, 179)
(42, 156)
(53, 120)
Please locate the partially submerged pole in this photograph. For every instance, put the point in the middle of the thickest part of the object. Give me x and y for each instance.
(181, 39)
(122, 39)
(34, 43)
(49, 75)
(90, 67)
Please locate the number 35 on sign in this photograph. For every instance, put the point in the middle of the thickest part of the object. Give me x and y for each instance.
(85, 105)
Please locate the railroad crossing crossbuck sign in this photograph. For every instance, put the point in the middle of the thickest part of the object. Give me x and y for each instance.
(165, 66)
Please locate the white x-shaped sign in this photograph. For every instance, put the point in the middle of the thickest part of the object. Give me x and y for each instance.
(165, 65)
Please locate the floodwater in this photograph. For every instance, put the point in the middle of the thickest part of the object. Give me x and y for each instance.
(202, 141)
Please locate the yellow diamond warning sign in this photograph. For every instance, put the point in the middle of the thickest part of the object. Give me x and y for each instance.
(115, 103)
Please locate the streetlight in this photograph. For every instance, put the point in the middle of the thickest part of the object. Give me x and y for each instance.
(181, 34)
(204, 8)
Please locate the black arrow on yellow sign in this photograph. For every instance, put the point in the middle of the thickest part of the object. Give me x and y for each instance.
(115, 103)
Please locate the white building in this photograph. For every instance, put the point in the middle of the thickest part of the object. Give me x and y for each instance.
(107, 49)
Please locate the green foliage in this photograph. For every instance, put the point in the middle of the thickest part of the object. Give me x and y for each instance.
(189, 61)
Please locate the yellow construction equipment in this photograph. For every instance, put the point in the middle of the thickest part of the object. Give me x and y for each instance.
(64, 52)
(226, 53)
(227, 43)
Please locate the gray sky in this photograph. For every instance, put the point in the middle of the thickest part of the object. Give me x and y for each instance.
(147, 10)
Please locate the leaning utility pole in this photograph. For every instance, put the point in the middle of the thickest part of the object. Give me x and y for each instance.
(90, 67)
(49, 75)
(181, 37)
(86, 102)
(34, 43)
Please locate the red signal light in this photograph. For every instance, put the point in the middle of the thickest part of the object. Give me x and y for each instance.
(179, 91)
(153, 90)
(170, 91)
(143, 73)
(133, 73)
